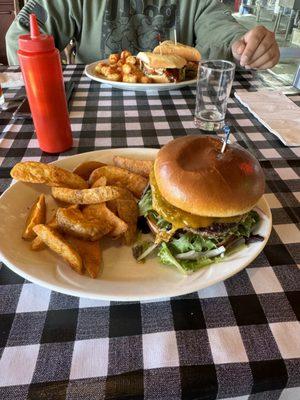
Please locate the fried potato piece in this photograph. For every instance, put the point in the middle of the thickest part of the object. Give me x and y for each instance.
(145, 79)
(90, 253)
(130, 78)
(131, 60)
(120, 177)
(37, 172)
(125, 54)
(115, 76)
(99, 182)
(114, 58)
(71, 220)
(100, 211)
(112, 206)
(87, 196)
(128, 212)
(99, 66)
(60, 246)
(37, 243)
(85, 169)
(140, 167)
(36, 216)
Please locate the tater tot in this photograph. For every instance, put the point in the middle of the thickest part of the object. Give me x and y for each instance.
(127, 69)
(145, 79)
(114, 58)
(125, 54)
(120, 63)
(131, 60)
(105, 70)
(130, 78)
(114, 77)
(99, 66)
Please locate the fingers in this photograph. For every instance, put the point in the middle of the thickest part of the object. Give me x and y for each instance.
(265, 45)
(267, 60)
(252, 39)
(237, 49)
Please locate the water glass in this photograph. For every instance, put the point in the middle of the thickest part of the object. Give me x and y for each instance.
(214, 84)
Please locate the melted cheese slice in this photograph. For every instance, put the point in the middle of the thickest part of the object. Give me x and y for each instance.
(179, 218)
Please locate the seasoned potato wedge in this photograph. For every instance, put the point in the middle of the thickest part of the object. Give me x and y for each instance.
(37, 172)
(120, 177)
(36, 216)
(128, 212)
(87, 196)
(85, 169)
(141, 167)
(90, 252)
(100, 211)
(60, 246)
(71, 220)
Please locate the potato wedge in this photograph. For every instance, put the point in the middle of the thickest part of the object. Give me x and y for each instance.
(100, 211)
(60, 246)
(90, 253)
(37, 243)
(128, 212)
(85, 169)
(71, 220)
(140, 167)
(37, 172)
(120, 177)
(36, 216)
(99, 182)
(87, 196)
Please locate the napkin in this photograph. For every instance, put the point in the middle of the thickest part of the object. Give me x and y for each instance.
(11, 79)
(275, 111)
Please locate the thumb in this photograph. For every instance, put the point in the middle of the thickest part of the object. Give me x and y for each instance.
(238, 48)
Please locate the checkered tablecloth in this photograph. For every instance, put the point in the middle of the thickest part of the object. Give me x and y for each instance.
(238, 339)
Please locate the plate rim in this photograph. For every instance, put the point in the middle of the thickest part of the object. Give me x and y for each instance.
(77, 292)
(134, 86)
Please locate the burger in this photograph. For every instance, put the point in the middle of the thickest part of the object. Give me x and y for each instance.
(199, 203)
(162, 68)
(190, 54)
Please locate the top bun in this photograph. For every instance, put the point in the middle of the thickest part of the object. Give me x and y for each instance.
(193, 175)
(182, 50)
(161, 61)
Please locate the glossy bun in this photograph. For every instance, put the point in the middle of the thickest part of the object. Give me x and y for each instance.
(193, 175)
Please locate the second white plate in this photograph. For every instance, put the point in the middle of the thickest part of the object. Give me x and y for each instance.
(90, 72)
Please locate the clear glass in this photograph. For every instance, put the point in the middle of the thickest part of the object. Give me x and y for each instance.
(214, 84)
(1, 96)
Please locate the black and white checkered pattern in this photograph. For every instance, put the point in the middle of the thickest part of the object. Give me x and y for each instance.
(237, 340)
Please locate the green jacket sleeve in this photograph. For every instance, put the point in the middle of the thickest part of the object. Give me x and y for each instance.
(215, 30)
(56, 17)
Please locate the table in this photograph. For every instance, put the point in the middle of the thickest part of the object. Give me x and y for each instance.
(238, 339)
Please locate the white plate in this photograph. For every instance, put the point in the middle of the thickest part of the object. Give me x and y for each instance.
(90, 72)
(122, 278)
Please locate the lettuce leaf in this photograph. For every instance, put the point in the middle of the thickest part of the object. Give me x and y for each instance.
(166, 257)
(189, 241)
(145, 204)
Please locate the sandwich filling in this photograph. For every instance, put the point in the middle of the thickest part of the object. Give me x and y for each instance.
(171, 74)
(189, 241)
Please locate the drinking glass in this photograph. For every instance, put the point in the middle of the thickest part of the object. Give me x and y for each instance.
(214, 84)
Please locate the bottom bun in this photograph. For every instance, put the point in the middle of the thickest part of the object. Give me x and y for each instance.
(158, 78)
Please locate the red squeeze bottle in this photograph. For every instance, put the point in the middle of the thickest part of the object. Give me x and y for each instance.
(41, 68)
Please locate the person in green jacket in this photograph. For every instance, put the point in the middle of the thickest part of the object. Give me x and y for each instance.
(102, 27)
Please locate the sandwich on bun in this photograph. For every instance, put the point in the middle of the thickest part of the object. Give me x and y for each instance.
(162, 68)
(199, 204)
(192, 55)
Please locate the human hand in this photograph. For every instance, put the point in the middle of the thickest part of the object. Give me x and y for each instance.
(256, 49)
